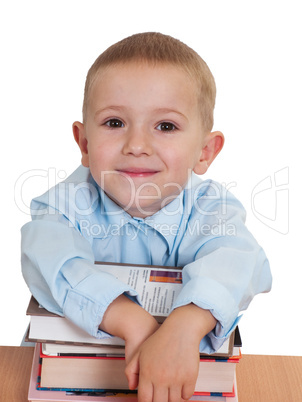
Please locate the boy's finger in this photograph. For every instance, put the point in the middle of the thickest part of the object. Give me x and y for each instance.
(188, 390)
(132, 372)
(161, 394)
(145, 393)
(175, 394)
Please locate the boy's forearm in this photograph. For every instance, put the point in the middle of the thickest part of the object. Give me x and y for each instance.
(197, 321)
(127, 320)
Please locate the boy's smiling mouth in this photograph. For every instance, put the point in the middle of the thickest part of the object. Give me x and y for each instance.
(137, 172)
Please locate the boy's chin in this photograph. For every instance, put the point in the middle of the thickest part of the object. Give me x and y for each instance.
(141, 211)
(136, 209)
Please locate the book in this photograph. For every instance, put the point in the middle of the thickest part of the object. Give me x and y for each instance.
(157, 286)
(56, 349)
(108, 373)
(67, 349)
(35, 394)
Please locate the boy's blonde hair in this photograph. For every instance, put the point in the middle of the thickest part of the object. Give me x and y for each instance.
(156, 48)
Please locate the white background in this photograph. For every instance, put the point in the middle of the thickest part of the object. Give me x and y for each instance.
(254, 52)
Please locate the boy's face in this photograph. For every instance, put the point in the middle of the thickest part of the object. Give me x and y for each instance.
(143, 135)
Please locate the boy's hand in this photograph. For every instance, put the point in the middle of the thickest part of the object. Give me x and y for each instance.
(165, 368)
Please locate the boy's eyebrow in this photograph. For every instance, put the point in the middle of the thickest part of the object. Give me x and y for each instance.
(107, 108)
(121, 108)
(168, 110)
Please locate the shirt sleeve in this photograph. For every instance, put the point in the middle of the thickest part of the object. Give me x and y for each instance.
(229, 267)
(58, 267)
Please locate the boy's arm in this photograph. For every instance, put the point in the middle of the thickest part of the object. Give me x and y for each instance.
(166, 365)
(58, 266)
(229, 266)
(129, 321)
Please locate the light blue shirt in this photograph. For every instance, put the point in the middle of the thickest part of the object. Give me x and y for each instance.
(75, 224)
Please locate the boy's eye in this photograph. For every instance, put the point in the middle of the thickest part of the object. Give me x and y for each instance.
(166, 126)
(114, 123)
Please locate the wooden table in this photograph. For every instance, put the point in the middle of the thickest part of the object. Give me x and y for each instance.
(260, 378)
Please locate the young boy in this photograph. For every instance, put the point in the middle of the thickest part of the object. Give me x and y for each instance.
(146, 135)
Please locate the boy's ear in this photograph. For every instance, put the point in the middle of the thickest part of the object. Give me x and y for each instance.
(212, 146)
(80, 138)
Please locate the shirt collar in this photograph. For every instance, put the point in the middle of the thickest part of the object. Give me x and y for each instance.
(167, 220)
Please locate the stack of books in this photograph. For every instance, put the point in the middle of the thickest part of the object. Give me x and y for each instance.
(70, 365)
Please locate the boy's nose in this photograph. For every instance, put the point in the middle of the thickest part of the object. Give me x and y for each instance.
(137, 142)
